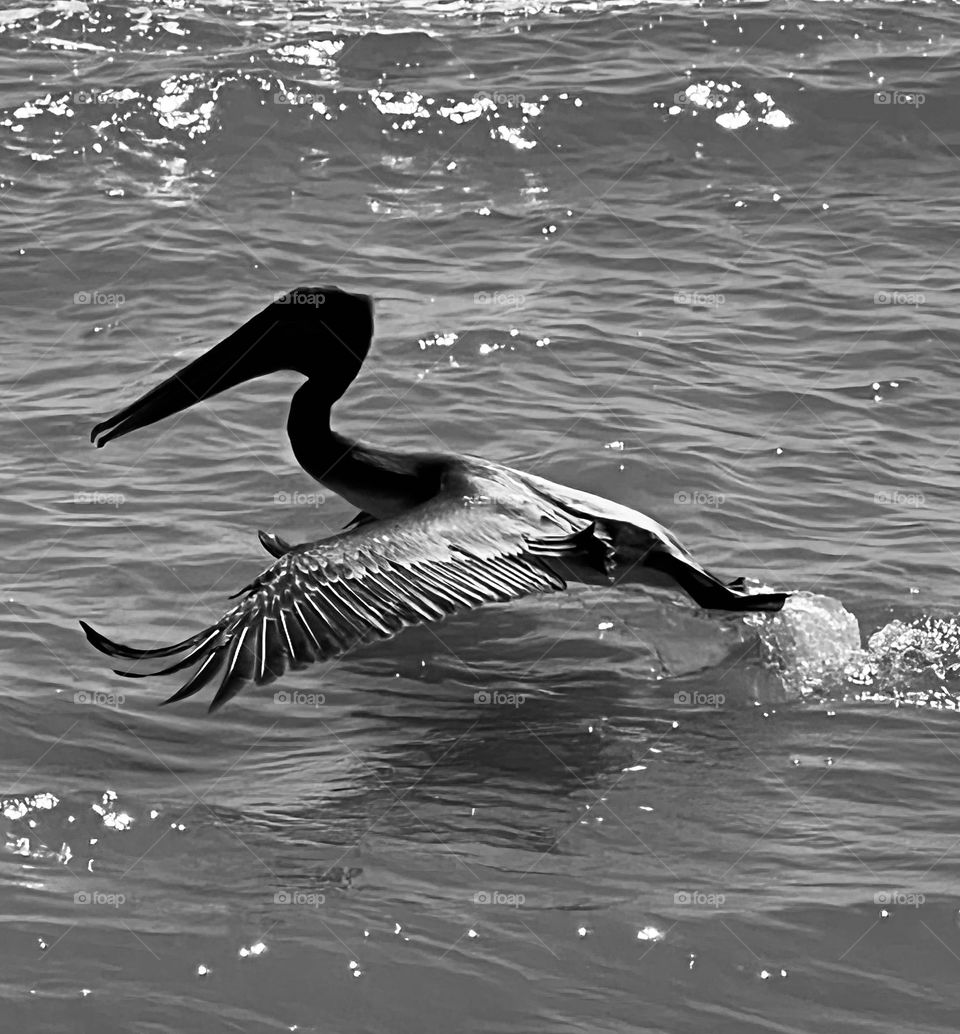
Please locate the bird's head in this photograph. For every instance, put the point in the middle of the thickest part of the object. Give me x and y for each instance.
(322, 332)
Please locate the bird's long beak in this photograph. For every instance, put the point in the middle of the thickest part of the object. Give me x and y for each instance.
(245, 354)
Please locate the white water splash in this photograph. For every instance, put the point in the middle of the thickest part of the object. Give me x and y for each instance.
(813, 646)
(810, 642)
(915, 662)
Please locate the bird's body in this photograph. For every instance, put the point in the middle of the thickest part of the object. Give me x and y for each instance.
(436, 532)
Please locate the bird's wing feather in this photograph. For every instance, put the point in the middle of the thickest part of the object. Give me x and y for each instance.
(461, 550)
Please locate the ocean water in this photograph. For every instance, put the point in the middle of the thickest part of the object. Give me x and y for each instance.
(701, 259)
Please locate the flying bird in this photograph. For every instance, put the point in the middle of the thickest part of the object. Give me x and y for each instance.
(436, 533)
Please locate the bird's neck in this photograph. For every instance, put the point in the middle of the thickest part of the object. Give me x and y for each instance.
(316, 445)
(380, 481)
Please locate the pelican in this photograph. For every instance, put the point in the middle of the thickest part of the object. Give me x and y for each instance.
(436, 532)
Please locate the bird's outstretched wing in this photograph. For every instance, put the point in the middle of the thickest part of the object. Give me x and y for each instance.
(369, 582)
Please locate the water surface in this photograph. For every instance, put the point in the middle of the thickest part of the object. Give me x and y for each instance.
(700, 259)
